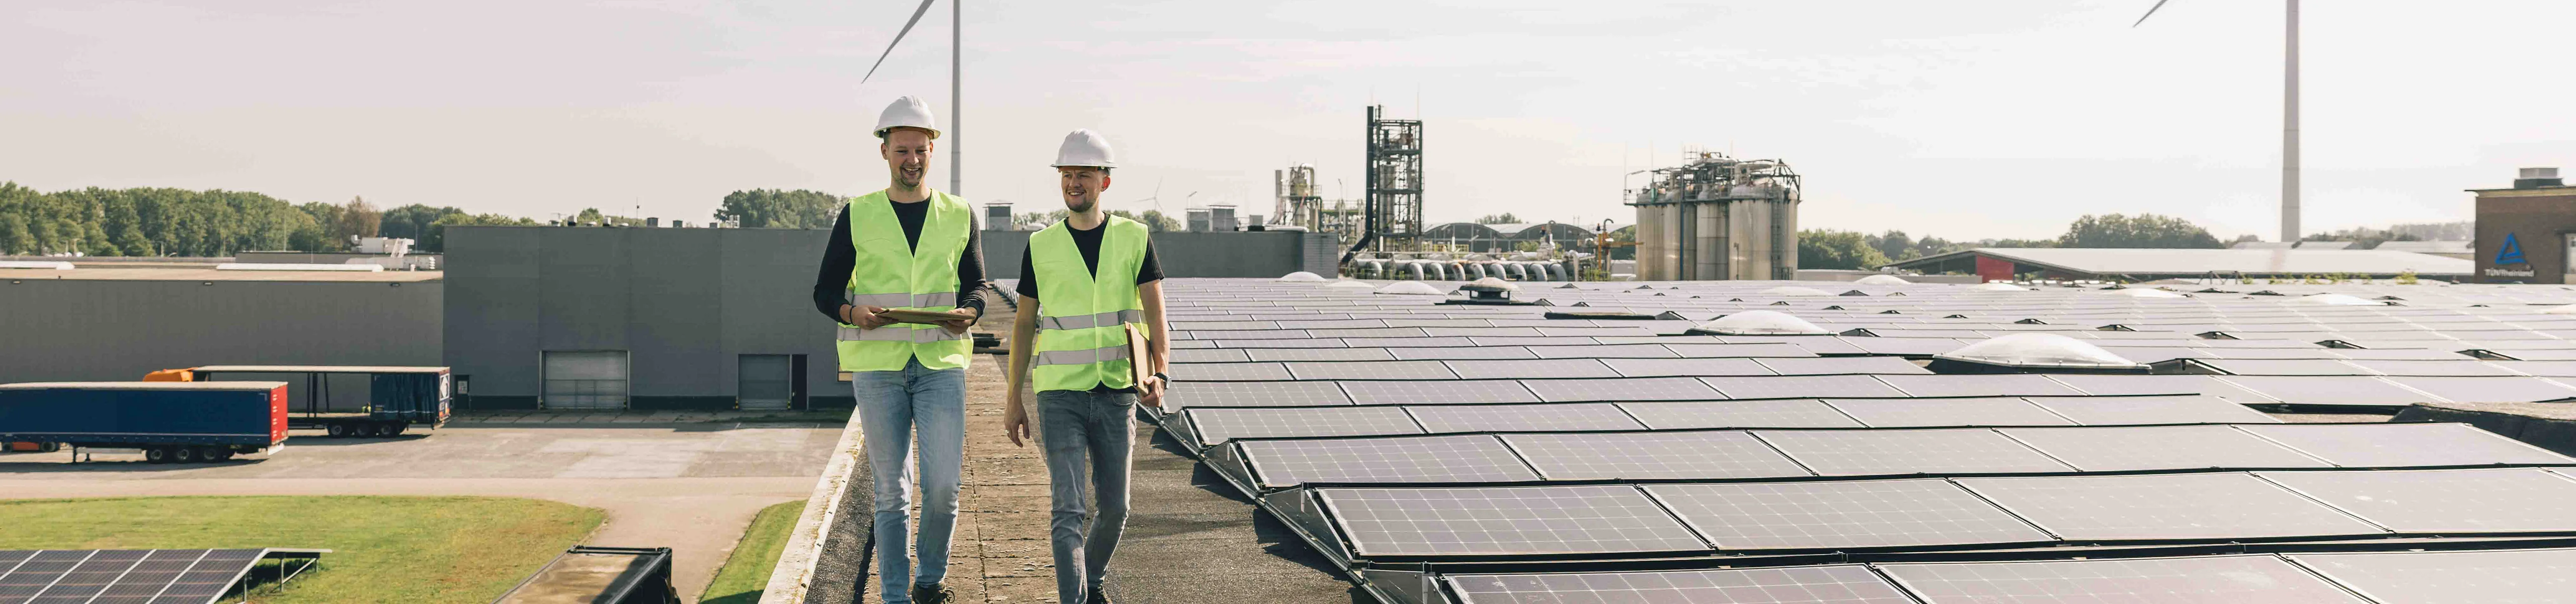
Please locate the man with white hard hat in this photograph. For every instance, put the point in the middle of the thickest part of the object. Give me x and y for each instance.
(908, 248)
(1086, 281)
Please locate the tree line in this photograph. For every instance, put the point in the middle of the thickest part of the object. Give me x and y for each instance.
(1829, 249)
(179, 222)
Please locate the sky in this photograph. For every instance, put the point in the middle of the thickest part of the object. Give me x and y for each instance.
(1965, 120)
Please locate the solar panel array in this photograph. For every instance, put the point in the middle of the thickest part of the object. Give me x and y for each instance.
(1387, 429)
(161, 576)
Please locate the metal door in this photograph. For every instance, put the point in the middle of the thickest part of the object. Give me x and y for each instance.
(585, 379)
(767, 383)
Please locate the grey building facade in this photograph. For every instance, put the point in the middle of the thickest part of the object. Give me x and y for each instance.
(1188, 254)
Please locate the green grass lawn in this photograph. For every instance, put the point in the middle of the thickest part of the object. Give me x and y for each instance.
(384, 549)
(746, 572)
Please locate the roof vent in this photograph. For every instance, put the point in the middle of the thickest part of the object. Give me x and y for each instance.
(1792, 290)
(2536, 178)
(1759, 323)
(1411, 288)
(1302, 277)
(1882, 280)
(2032, 351)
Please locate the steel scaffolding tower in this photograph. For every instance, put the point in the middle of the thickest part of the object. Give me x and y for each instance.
(1394, 199)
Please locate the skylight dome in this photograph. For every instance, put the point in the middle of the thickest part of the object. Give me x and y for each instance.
(1760, 323)
(2038, 350)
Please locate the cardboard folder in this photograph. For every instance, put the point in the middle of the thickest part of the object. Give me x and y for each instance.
(1140, 364)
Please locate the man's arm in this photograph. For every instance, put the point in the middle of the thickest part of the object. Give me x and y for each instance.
(832, 281)
(1158, 343)
(1024, 335)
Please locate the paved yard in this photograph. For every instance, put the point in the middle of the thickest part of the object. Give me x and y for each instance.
(689, 486)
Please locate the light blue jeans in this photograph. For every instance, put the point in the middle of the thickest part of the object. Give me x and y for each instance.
(1085, 433)
(891, 405)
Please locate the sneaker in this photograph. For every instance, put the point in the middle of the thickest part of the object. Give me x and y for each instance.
(1096, 597)
(935, 594)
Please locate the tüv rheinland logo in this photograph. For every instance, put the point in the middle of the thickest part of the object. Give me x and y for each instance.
(2510, 255)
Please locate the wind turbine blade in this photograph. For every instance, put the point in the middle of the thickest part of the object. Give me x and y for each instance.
(907, 28)
(2151, 11)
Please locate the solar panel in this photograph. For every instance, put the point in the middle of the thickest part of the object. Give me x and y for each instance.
(2207, 579)
(1230, 372)
(1686, 367)
(2534, 576)
(1978, 385)
(2445, 501)
(1439, 392)
(1605, 351)
(1505, 521)
(2540, 368)
(1381, 370)
(2489, 389)
(1523, 418)
(2117, 410)
(1851, 584)
(1462, 353)
(1285, 343)
(2115, 449)
(1919, 412)
(1532, 368)
(1841, 514)
(1765, 350)
(173, 576)
(1795, 386)
(1182, 344)
(2165, 506)
(2399, 445)
(1896, 452)
(2124, 385)
(1622, 389)
(1254, 394)
(2330, 390)
(1405, 342)
(1209, 355)
(1215, 426)
(2284, 367)
(1318, 354)
(1844, 365)
(1476, 458)
(2459, 368)
(1653, 455)
(1772, 413)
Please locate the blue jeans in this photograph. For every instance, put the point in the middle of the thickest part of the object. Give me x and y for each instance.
(1085, 430)
(891, 405)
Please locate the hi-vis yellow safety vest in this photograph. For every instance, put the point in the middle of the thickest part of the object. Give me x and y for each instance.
(893, 273)
(1082, 339)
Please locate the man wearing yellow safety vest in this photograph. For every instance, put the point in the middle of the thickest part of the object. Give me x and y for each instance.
(907, 247)
(1083, 282)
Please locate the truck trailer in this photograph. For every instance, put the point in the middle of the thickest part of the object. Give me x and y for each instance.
(398, 398)
(169, 421)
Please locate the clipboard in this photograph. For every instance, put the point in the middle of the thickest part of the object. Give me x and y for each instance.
(917, 316)
(1139, 364)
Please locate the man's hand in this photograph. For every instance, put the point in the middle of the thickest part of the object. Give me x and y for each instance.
(1015, 421)
(866, 317)
(965, 318)
(1150, 393)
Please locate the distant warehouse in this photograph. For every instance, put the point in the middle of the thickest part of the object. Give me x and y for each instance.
(2012, 263)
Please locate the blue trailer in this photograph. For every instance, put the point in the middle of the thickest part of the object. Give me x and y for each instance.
(397, 397)
(168, 421)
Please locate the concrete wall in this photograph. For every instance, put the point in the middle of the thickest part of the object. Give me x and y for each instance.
(1228, 254)
(683, 303)
(90, 330)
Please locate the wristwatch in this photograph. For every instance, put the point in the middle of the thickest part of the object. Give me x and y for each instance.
(1160, 376)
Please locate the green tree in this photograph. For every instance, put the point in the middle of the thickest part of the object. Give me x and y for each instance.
(14, 236)
(2141, 231)
(418, 223)
(780, 209)
(1503, 218)
(589, 216)
(1894, 245)
(1158, 222)
(358, 219)
(1847, 250)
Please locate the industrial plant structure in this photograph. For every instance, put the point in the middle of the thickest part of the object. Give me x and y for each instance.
(1392, 220)
(1718, 217)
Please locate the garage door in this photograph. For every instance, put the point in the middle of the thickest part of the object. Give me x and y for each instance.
(589, 379)
(768, 382)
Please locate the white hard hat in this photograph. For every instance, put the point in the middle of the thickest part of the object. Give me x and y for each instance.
(907, 112)
(1086, 149)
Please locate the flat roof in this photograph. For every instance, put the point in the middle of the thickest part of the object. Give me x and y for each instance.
(2131, 261)
(143, 386)
(316, 369)
(208, 273)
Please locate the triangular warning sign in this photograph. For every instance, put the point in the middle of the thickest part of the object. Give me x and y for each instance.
(2512, 252)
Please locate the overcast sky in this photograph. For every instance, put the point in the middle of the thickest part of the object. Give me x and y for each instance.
(1959, 119)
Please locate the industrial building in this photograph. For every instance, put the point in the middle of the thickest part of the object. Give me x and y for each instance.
(1500, 238)
(2009, 264)
(2523, 233)
(1718, 217)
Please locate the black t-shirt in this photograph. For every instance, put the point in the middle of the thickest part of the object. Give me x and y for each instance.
(1088, 241)
(832, 279)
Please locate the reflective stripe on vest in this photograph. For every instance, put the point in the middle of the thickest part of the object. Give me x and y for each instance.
(1089, 321)
(895, 271)
(1085, 311)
